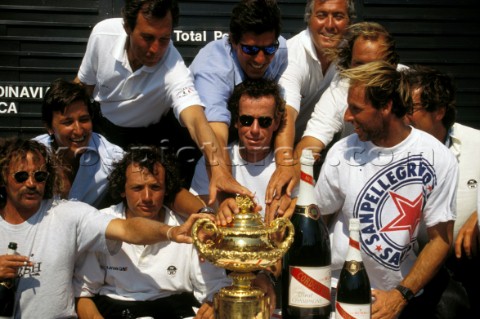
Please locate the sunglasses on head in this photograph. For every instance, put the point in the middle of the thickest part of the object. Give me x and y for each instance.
(263, 121)
(22, 176)
(253, 49)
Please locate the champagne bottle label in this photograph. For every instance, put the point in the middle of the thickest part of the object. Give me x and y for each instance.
(349, 311)
(310, 211)
(353, 266)
(309, 287)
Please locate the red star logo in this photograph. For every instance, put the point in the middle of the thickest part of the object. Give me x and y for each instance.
(409, 216)
(378, 248)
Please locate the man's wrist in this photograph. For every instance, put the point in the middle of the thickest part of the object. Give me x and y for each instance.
(206, 210)
(406, 293)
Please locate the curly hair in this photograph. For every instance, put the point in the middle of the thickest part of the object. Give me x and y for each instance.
(60, 95)
(383, 83)
(14, 150)
(311, 5)
(256, 89)
(149, 9)
(146, 156)
(257, 16)
(437, 91)
(371, 31)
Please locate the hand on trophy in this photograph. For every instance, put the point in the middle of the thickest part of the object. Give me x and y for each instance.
(227, 209)
(281, 207)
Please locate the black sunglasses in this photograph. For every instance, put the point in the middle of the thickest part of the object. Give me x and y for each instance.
(263, 121)
(22, 176)
(253, 49)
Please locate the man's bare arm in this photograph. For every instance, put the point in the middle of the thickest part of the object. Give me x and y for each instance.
(86, 309)
(389, 304)
(194, 119)
(144, 231)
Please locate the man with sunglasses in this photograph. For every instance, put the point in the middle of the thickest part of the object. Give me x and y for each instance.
(52, 234)
(253, 49)
(257, 111)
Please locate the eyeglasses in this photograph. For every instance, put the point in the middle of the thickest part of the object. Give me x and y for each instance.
(22, 176)
(263, 121)
(253, 49)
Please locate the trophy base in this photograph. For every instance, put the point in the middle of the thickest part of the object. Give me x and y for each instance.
(240, 302)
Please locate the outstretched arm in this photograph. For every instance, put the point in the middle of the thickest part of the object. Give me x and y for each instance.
(221, 180)
(285, 177)
(143, 231)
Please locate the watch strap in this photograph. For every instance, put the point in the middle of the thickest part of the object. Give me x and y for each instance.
(407, 294)
(206, 210)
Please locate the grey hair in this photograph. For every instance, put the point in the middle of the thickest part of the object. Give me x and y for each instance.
(311, 5)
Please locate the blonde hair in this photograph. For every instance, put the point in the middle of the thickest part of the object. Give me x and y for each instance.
(382, 83)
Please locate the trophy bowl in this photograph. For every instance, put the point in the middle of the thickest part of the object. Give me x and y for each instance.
(243, 246)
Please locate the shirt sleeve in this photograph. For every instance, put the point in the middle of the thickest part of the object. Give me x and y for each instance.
(88, 276)
(214, 73)
(327, 117)
(327, 189)
(441, 204)
(87, 72)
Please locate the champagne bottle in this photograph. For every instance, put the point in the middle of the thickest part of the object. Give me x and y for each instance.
(306, 269)
(353, 289)
(7, 290)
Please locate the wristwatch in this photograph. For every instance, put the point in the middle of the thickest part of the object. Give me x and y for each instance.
(206, 210)
(407, 294)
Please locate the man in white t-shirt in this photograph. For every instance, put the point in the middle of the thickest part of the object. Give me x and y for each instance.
(257, 111)
(51, 235)
(162, 280)
(135, 73)
(433, 110)
(390, 176)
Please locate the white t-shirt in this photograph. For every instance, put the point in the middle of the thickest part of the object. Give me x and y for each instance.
(303, 82)
(390, 190)
(254, 176)
(140, 98)
(53, 238)
(149, 272)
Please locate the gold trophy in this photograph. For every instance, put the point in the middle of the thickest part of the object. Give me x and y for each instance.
(245, 245)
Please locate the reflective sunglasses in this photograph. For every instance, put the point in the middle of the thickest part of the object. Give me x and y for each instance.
(22, 176)
(253, 49)
(263, 121)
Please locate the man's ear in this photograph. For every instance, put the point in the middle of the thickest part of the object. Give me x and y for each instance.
(127, 28)
(440, 113)
(387, 109)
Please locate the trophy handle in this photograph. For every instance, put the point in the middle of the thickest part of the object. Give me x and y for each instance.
(208, 225)
(280, 224)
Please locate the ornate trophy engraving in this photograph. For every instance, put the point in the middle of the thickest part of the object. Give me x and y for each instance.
(243, 246)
